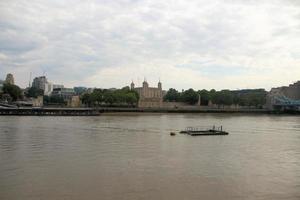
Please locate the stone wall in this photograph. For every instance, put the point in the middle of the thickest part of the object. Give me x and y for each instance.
(38, 102)
(74, 102)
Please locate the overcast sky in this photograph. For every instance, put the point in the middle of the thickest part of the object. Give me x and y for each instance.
(187, 44)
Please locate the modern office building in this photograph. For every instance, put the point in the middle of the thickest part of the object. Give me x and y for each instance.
(43, 84)
(65, 93)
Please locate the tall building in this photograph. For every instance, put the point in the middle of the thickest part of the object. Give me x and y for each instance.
(39, 82)
(10, 79)
(1, 85)
(149, 97)
(43, 84)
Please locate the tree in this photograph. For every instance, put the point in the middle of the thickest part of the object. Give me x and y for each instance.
(126, 89)
(223, 97)
(172, 95)
(119, 97)
(34, 92)
(205, 97)
(109, 97)
(86, 99)
(13, 90)
(131, 98)
(190, 96)
(255, 97)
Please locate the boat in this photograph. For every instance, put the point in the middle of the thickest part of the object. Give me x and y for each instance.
(200, 131)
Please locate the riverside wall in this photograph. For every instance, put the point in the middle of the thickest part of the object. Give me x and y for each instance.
(99, 111)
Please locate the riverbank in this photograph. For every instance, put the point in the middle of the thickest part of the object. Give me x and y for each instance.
(98, 111)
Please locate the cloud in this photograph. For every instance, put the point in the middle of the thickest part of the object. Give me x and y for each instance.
(200, 44)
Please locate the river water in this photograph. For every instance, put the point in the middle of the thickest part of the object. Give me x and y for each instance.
(133, 156)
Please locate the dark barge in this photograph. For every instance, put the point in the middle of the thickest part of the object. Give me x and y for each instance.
(199, 131)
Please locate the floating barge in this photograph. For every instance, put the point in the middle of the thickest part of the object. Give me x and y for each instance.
(200, 131)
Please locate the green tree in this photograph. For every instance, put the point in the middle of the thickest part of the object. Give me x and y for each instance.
(223, 97)
(205, 97)
(189, 96)
(131, 98)
(256, 98)
(86, 99)
(119, 97)
(13, 90)
(34, 92)
(109, 97)
(172, 95)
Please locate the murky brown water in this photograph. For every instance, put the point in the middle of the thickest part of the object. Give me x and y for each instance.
(132, 156)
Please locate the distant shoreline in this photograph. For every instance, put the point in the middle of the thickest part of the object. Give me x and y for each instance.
(46, 111)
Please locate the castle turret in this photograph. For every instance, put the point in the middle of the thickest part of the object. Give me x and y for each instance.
(145, 84)
(159, 85)
(132, 86)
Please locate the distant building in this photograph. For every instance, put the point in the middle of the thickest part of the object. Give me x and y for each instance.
(40, 82)
(149, 97)
(80, 90)
(48, 88)
(74, 102)
(90, 90)
(58, 86)
(38, 102)
(43, 84)
(290, 94)
(65, 93)
(1, 85)
(10, 79)
(292, 91)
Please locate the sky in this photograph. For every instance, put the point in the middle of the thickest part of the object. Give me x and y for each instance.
(200, 44)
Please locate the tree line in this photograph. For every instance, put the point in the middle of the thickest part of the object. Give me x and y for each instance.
(11, 92)
(126, 97)
(106, 97)
(255, 97)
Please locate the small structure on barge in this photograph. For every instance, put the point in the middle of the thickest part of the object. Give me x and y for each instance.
(201, 131)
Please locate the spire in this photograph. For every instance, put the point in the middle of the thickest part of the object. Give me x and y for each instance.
(159, 83)
(132, 85)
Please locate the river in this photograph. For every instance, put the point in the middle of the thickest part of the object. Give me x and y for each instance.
(132, 156)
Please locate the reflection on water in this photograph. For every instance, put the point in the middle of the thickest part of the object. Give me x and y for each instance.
(132, 156)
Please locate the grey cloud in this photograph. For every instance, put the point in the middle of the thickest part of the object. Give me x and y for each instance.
(76, 39)
(12, 42)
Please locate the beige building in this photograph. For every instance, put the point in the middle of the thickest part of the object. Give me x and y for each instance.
(10, 79)
(292, 92)
(74, 102)
(149, 97)
(38, 102)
